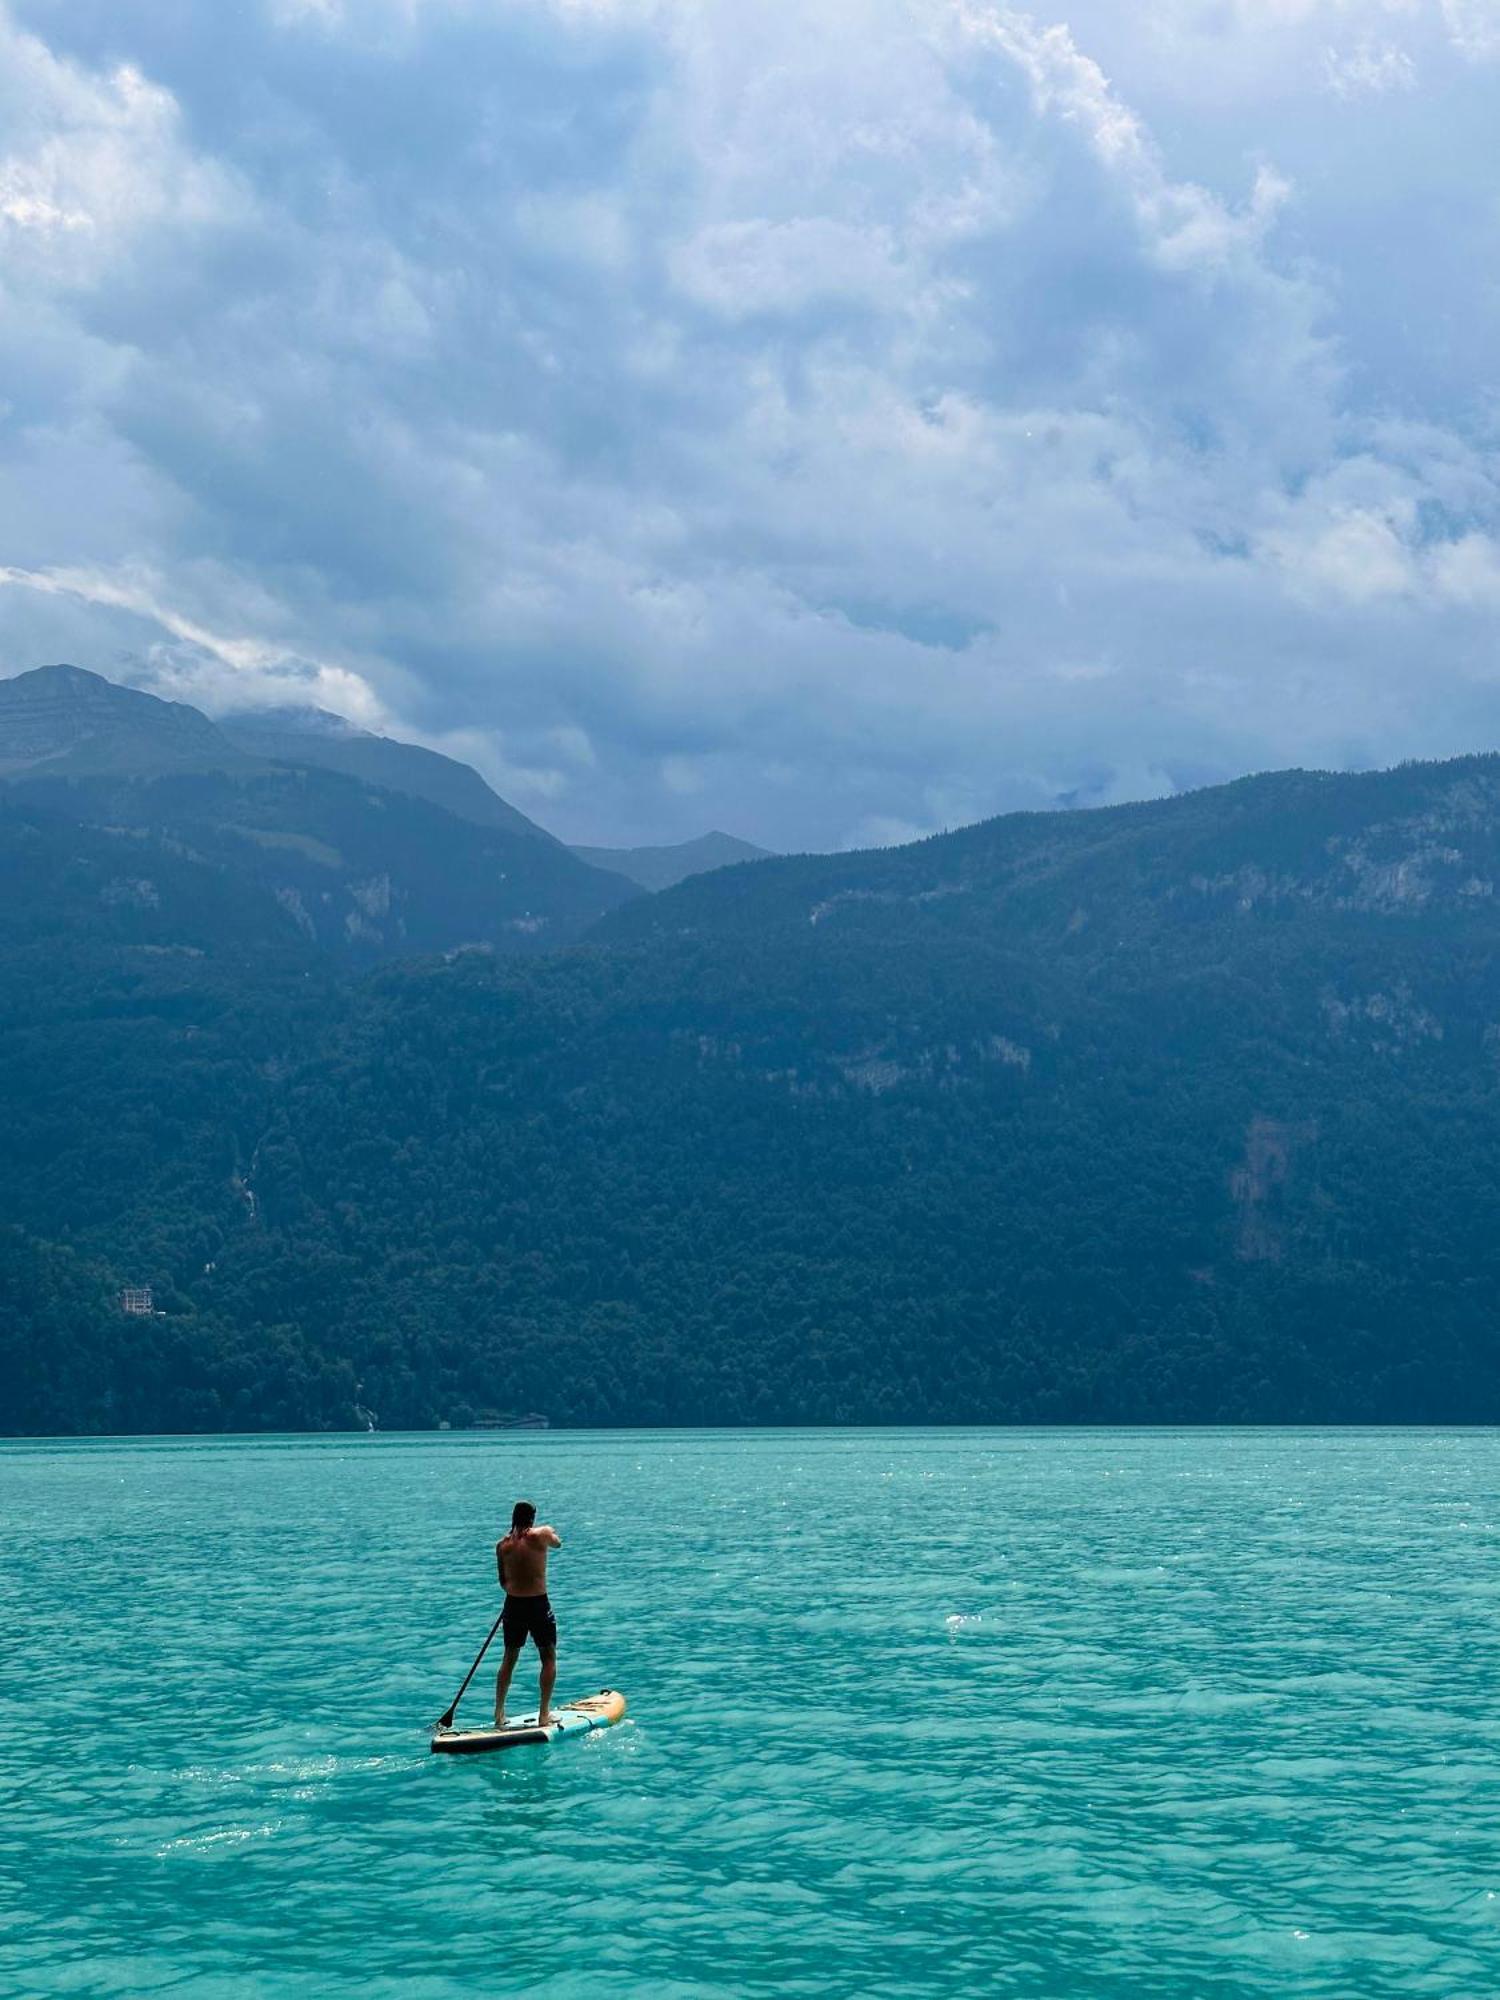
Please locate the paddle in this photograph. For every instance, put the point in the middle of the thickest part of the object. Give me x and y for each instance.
(445, 1720)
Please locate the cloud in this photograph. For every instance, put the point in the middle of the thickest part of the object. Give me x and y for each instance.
(1183, 225)
(1467, 571)
(695, 412)
(1470, 27)
(1475, 28)
(94, 161)
(755, 266)
(1352, 554)
(1369, 69)
(217, 668)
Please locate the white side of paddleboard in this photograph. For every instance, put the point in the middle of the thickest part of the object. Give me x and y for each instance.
(573, 1718)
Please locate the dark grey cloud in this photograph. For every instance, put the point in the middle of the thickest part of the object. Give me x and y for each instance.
(828, 424)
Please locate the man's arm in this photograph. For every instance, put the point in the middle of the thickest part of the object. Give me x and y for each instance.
(500, 1563)
(549, 1537)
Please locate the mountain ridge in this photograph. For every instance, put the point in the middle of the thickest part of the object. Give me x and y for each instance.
(62, 720)
(1179, 1112)
(292, 736)
(663, 867)
(355, 867)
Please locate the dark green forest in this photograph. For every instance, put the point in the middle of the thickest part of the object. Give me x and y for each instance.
(1177, 1113)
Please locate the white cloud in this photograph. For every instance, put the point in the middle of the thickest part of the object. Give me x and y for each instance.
(258, 674)
(1467, 571)
(1475, 27)
(1185, 224)
(759, 266)
(1351, 553)
(1369, 69)
(92, 160)
(828, 425)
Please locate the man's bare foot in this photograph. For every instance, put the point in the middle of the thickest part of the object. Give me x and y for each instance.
(499, 1721)
(543, 1720)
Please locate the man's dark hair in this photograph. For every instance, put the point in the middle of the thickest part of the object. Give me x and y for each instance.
(521, 1517)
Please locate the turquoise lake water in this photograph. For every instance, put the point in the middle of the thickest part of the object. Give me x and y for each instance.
(1176, 1715)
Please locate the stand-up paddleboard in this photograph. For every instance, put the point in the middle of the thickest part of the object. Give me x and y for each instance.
(572, 1718)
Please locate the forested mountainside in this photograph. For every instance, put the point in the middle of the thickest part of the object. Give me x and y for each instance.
(1178, 1112)
(154, 802)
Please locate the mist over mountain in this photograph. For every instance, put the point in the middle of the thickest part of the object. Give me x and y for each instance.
(1176, 1112)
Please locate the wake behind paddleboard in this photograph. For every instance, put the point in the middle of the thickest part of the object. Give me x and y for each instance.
(572, 1718)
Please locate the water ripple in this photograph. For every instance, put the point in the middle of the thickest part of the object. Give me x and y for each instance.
(1192, 1716)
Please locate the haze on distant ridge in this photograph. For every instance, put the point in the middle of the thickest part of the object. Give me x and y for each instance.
(825, 422)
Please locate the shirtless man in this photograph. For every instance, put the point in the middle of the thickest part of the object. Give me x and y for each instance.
(521, 1560)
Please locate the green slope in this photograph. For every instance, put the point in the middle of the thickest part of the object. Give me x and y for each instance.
(361, 869)
(323, 741)
(1179, 1112)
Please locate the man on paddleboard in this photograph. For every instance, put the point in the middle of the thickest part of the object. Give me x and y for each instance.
(521, 1559)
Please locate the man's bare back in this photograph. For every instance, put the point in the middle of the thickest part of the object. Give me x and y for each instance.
(521, 1562)
(521, 1559)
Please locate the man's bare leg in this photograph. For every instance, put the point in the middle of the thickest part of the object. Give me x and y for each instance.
(549, 1681)
(502, 1684)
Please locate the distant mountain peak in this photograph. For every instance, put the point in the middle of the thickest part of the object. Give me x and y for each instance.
(164, 829)
(61, 680)
(62, 721)
(65, 719)
(294, 720)
(60, 673)
(664, 867)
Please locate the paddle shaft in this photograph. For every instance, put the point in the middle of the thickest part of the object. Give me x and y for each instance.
(445, 1720)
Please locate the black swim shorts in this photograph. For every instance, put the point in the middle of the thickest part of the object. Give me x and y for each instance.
(528, 1618)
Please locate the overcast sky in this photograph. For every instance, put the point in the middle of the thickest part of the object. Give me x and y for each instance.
(824, 419)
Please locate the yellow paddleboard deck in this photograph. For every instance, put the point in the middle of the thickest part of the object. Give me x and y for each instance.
(571, 1718)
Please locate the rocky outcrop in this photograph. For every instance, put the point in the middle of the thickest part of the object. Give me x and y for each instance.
(1256, 1185)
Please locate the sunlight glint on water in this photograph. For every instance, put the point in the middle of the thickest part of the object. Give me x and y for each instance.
(1106, 1713)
